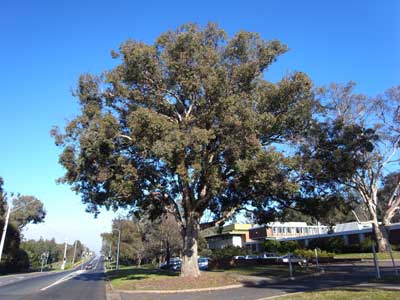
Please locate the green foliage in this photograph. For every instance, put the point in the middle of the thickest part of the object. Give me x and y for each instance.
(160, 132)
(289, 246)
(35, 249)
(28, 209)
(310, 254)
(11, 248)
(272, 246)
(228, 252)
(331, 244)
(143, 240)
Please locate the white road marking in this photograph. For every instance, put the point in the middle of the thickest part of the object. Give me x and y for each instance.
(98, 260)
(63, 279)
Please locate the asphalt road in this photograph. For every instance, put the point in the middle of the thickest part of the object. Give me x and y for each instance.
(74, 284)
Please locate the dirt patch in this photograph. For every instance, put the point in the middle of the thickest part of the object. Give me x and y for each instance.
(206, 280)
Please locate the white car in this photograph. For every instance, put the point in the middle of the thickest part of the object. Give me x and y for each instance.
(294, 259)
(237, 257)
(251, 257)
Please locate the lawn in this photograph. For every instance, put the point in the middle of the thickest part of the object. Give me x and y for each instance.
(345, 294)
(130, 275)
(272, 271)
(396, 255)
(134, 278)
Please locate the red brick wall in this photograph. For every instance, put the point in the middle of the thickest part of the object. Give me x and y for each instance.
(256, 233)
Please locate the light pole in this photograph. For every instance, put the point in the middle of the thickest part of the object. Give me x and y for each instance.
(73, 258)
(118, 245)
(3, 236)
(65, 255)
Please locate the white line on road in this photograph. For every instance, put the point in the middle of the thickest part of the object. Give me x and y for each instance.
(63, 279)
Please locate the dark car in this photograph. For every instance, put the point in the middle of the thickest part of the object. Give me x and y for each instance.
(174, 264)
(89, 267)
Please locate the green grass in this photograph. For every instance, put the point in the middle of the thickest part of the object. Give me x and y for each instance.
(383, 255)
(273, 271)
(129, 273)
(345, 294)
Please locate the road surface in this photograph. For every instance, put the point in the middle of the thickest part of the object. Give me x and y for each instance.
(74, 284)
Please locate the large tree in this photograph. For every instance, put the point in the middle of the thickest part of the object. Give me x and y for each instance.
(354, 146)
(185, 125)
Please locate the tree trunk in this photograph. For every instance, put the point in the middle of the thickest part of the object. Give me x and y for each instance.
(168, 254)
(380, 233)
(190, 267)
(139, 260)
(381, 236)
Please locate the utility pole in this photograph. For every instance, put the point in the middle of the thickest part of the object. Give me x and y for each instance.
(65, 256)
(119, 241)
(73, 258)
(43, 257)
(3, 236)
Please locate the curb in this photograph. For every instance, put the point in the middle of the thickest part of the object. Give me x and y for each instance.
(220, 288)
(111, 294)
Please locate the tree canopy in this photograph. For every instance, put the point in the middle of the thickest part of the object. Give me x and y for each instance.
(184, 125)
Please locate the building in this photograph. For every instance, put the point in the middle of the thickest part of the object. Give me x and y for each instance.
(236, 235)
(253, 237)
(280, 231)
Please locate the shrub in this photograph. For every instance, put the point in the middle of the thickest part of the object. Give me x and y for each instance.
(228, 252)
(310, 254)
(366, 245)
(272, 246)
(289, 246)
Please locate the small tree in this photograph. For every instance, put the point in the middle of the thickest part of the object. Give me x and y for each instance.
(30, 210)
(183, 126)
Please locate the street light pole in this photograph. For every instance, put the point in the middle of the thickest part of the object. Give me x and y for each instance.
(65, 256)
(3, 236)
(73, 258)
(119, 241)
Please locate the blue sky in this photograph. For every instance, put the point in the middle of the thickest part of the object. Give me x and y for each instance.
(45, 45)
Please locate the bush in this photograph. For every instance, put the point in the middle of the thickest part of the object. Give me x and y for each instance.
(272, 246)
(366, 245)
(310, 254)
(289, 246)
(228, 252)
(331, 244)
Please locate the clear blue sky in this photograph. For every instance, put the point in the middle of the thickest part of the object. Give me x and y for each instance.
(45, 45)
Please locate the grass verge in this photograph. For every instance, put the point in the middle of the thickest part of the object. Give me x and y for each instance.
(383, 255)
(133, 278)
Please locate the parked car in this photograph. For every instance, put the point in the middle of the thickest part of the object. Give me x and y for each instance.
(174, 264)
(294, 259)
(270, 256)
(237, 257)
(203, 263)
(248, 257)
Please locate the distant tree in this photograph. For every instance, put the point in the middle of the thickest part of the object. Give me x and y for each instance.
(352, 147)
(29, 210)
(2, 199)
(185, 125)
